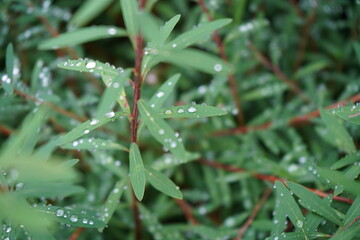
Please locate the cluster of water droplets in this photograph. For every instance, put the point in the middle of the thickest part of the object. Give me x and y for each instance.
(74, 218)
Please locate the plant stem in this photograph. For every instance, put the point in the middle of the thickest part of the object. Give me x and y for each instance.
(253, 214)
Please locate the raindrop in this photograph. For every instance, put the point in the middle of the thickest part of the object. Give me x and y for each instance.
(59, 212)
(174, 45)
(91, 222)
(180, 110)
(168, 112)
(116, 190)
(8, 229)
(117, 163)
(299, 223)
(109, 114)
(161, 132)
(191, 109)
(84, 221)
(73, 218)
(94, 122)
(112, 31)
(218, 67)
(75, 143)
(116, 85)
(91, 64)
(173, 145)
(86, 131)
(152, 105)
(160, 94)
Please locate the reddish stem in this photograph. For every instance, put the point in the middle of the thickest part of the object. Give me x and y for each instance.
(253, 214)
(76, 234)
(186, 208)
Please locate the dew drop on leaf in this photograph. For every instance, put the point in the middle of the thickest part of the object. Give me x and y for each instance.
(191, 109)
(73, 218)
(168, 112)
(59, 212)
(218, 67)
(109, 114)
(180, 110)
(161, 132)
(94, 122)
(91, 64)
(160, 94)
(86, 131)
(111, 31)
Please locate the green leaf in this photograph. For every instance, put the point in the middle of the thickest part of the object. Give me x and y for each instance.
(75, 217)
(348, 113)
(310, 69)
(267, 90)
(203, 31)
(353, 212)
(191, 111)
(162, 183)
(160, 130)
(292, 209)
(129, 10)
(165, 31)
(313, 203)
(49, 189)
(337, 132)
(92, 66)
(94, 143)
(86, 127)
(164, 92)
(112, 201)
(196, 59)
(335, 177)
(112, 94)
(82, 35)
(137, 172)
(88, 11)
(348, 233)
(357, 51)
(169, 161)
(350, 159)
(149, 27)
(280, 214)
(9, 61)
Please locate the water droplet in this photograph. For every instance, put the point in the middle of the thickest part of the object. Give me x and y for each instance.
(86, 131)
(91, 64)
(168, 112)
(180, 110)
(94, 122)
(75, 143)
(160, 94)
(218, 67)
(116, 190)
(84, 221)
(177, 134)
(152, 105)
(177, 187)
(109, 114)
(191, 109)
(117, 163)
(161, 131)
(299, 223)
(59, 212)
(116, 85)
(173, 145)
(174, 45)
(112, 31)
(91, 222)
(8, 229)
(73, 218)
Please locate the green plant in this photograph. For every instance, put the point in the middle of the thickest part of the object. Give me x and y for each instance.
(78, 148)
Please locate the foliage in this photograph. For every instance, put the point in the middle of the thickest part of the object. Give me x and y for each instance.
(102, 138)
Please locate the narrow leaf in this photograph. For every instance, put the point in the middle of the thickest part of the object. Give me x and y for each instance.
(94, 143)
(353, 212)
(82, 35)
(162, 183)
(191, 111)
(350, 159)
(88, 11)
(74, 217)
(196, 59)
(164, 92)
(112, 201)
(49, 190)
(129, 10)
(335, 177)
(86, 127)
(165, 32)
(9, 61)
(348, 113)
(203, 31)
(348, 233)
(137, 171)
(337, 132)
(160, 130)
(313, 203)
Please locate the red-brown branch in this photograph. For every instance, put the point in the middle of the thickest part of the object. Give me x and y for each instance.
(277, 71)
(296, 121)
(186, 208)
(253, 214)
(266, 177)
(231, 77)
(76, 234)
